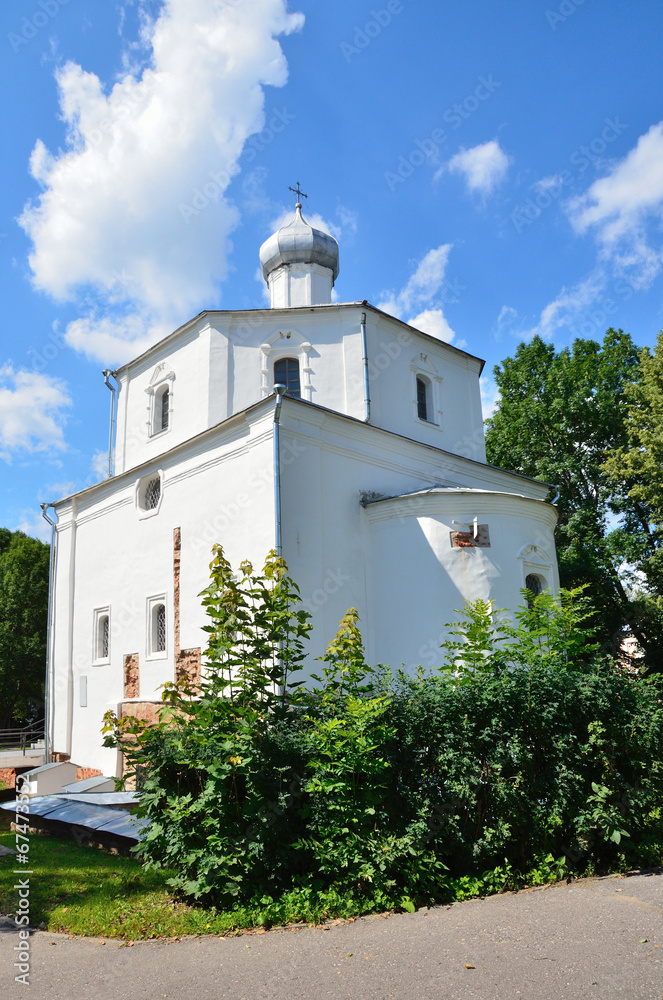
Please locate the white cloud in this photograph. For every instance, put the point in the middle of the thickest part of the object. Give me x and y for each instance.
(32, 523)
(506, 317)
(32, 412)
(135, 212)
(424, 284)
(433, 321)
(490, 396)
(99, 466)
(484, 167)
(570, 304)
(420, 292)
(618, 204)
(552, 182)
(625, 209)
(347, 224)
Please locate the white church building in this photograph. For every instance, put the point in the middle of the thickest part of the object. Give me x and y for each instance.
(368, 472)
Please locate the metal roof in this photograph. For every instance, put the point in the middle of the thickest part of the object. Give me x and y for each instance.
(62, 809)
(87, 784)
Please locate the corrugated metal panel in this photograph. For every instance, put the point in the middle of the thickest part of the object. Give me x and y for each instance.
(61, 809)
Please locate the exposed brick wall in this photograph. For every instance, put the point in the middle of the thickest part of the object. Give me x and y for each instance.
(59, 758)
(177, 559)
(146, 711)
(8, 775)
(143, 710)
(187, 661)
(187, 666)
(131, 675)
(87, 772)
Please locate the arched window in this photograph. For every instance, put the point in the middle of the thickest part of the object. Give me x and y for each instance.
(164, 409)
(535, 585)
(157, 633)
(286, 372)
(103, 637)
(423, 396)
(159, 628)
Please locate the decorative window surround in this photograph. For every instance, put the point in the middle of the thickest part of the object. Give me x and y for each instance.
(163, 378)
(144, 494)
(535, 561)
(286, 344)
(101, 637)
(422, 367)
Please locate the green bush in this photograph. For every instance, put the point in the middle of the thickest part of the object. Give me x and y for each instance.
(526, 757)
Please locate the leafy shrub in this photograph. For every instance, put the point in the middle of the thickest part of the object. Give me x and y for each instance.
(526, 757)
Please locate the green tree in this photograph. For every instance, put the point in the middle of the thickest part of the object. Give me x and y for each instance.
(561, 414)
(639, 465)
(23, 614)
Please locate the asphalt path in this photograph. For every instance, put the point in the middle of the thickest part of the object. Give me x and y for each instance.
(599, 938)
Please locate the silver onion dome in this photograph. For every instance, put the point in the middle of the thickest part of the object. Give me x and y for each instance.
(299, 243)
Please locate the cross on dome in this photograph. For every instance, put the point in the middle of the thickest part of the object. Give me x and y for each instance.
(300, 194)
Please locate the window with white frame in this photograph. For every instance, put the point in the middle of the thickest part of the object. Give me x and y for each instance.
(157, 627)
(286, 372)
(536, 569)
(286, 360)
(101, 636)
(423, 397)
(426, 385)
(160, 400)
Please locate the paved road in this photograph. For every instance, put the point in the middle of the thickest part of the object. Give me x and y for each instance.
(576, 941)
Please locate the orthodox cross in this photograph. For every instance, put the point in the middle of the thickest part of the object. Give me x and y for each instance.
(300, 194)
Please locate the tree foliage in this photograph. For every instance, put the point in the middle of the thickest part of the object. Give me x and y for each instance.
(561, 415)
(527, 757)
(639, 465)
(24, 563)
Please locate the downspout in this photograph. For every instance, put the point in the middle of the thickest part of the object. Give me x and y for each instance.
(278, 390)
(113, 419)
(559, 490)
(364, 359)
(49, 633)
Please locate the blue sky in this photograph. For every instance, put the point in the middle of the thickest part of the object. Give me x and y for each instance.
(490, 171)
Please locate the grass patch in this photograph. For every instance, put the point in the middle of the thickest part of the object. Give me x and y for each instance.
(85, 891)
(81, 890)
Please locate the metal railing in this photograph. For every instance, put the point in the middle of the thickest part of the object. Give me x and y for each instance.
(30, 737)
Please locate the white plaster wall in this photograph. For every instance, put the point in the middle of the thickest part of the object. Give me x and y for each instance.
(219, 487)
(393, 350)
(187, 355)
(419, 582)
(217, 361)
(329, 543)
(216, 490)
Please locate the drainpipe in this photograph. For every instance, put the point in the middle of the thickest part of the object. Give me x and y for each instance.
(111, 437)
(364, 359)
(278, 390)
(49, 632)
(559, 490)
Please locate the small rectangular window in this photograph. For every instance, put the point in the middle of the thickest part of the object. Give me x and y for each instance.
(83, 692)
(286, 372)
(165, 408)
(422, 399)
